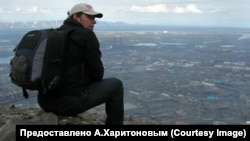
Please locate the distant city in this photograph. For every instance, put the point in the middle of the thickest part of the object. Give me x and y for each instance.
(171, 75)
(105, 26)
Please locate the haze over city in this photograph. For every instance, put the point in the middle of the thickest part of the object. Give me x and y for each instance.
(222, 13)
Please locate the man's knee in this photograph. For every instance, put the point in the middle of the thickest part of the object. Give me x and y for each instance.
(116, 85)
(117, 82)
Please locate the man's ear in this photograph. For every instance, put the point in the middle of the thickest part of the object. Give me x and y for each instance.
(75, 17)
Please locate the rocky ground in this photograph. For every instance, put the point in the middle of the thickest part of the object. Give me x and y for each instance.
(11, 115)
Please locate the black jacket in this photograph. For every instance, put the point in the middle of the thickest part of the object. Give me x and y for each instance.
(83, 63)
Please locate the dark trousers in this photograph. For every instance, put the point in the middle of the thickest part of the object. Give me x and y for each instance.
(78, 100)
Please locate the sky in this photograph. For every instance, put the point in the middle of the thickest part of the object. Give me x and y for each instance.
(220, 13)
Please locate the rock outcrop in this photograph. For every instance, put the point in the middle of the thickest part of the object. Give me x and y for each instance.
(10, 116)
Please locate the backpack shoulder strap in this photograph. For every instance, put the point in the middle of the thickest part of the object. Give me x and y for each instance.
(25, 93)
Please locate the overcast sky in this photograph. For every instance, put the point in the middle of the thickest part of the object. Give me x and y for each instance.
(228, 13)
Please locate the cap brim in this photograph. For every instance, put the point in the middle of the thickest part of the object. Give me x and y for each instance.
(99, 15)
(96, 14)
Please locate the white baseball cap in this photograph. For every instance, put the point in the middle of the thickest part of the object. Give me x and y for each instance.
(86, 9)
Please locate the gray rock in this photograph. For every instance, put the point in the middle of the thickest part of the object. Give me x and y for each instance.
(34, 116)
(45, 119)
(8, 131)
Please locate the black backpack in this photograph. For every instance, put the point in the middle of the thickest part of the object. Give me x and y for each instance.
(38, 63)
